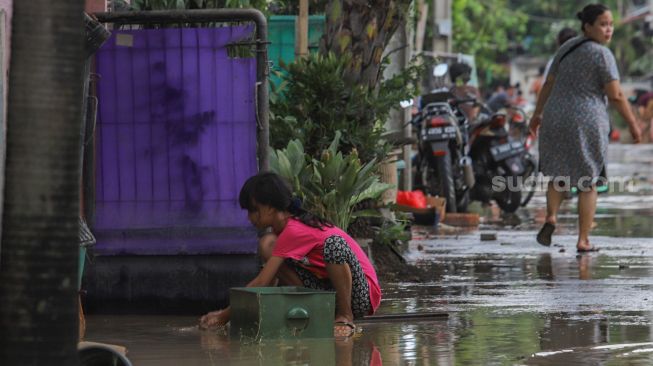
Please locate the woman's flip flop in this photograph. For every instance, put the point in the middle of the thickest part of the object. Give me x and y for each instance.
(544, 236)
(587, 250)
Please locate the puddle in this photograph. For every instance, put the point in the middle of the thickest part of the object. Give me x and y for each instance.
(478, 337)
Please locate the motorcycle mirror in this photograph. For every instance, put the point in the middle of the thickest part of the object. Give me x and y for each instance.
(440, 70)
(406, 103)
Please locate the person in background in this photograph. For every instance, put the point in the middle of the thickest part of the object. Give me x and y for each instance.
(518, 99)
(460, 74)
(644, 105)
(503, 97)
(305, 250)
(536, 86)
(564, 35)
(572, 117)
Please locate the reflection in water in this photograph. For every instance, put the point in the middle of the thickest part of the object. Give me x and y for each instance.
(168, 341)
(363, 352)
(544, 267)
(558, 333)
(584, 266)
(478, 337)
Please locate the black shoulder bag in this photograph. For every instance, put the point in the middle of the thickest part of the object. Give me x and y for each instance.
(573, 48)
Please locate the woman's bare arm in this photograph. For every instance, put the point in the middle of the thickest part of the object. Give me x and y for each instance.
(264, 278)
(620, 102)
(536, 120)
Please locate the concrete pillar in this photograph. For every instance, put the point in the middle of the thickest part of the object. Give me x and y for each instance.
(442, 26)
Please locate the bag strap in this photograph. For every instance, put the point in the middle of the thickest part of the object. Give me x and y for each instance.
(573, 48)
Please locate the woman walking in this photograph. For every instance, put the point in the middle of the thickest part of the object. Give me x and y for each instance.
(572, 116)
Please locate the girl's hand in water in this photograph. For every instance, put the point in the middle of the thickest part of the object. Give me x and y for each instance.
(214, 319)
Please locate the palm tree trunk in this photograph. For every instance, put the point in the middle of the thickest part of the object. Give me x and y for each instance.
(38, 267)
(363, 29)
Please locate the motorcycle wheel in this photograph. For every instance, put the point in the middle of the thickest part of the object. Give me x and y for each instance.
(509, 201)
(462, 202)
(446, 186)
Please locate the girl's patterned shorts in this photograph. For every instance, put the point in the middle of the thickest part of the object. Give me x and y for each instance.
(337, 251)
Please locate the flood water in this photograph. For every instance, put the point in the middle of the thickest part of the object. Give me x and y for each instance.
(509, 301)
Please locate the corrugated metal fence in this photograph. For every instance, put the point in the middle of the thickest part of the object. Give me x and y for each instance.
(176, 139)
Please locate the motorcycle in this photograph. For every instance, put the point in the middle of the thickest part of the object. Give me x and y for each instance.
(443, 165)
(501, 162)
(517, 123)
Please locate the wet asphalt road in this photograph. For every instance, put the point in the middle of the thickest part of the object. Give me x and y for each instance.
(509, 301)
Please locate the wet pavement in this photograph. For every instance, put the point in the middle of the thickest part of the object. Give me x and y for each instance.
(509, 301)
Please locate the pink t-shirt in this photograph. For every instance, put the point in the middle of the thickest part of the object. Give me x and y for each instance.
(306, 245)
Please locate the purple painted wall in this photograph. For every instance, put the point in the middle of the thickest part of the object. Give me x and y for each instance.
(176, 139)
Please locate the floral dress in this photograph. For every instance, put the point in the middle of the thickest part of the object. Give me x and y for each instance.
(575, 122)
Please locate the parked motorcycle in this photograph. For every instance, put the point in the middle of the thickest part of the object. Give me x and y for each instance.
(517, 123)
(501, 162)
(443, 165)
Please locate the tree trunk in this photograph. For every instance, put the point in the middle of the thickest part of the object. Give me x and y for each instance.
(301, 30)
(420, 33)
(362, 29)
(38, 267)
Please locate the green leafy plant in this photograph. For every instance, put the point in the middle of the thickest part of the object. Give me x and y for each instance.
(488, 30)
(292, 164)
(315, 100)
(332, 185)
(196, 4)
(392, 232)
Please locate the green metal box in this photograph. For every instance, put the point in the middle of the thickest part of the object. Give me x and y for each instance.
(281, 312)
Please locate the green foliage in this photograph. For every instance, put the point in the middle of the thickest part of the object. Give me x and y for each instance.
(547, 18)
(315, 100)
(480, 345)
(497, 30)
(277, 6)
(486, 30)
(268, 6)
(147, 5)
(197, 4)
(392, 232)
(332, 185)
(292, 164)
(643, 64)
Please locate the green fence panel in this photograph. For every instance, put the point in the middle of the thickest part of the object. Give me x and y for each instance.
(281, 30)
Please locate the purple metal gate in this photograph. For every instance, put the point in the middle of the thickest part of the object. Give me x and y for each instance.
(176, 139)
